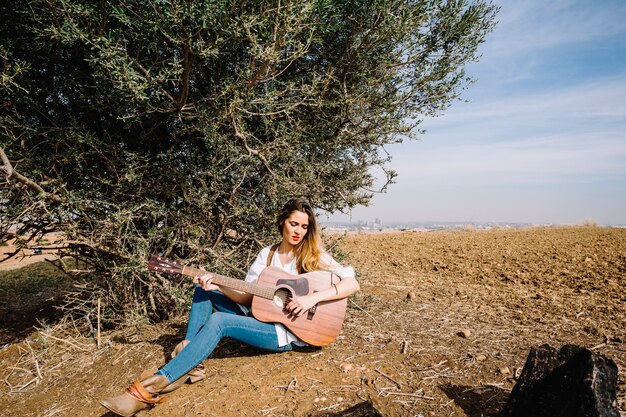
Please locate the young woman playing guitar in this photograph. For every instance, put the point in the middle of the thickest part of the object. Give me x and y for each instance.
(300, 251)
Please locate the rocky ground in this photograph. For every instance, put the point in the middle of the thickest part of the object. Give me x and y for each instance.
(442, 326)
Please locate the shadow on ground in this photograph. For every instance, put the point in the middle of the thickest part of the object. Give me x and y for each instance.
(480, 401)
(28, 297)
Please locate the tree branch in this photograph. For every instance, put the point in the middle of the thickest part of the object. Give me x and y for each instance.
(184, 91)
(12, 174)
(249, 149)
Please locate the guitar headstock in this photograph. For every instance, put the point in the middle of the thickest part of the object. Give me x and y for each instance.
(161, 264)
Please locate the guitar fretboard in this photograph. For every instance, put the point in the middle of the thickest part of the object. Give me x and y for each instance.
(236, 284)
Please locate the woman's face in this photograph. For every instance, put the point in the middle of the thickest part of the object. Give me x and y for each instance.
(295, 227)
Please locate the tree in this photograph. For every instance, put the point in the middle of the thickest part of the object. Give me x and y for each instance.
(180, 126)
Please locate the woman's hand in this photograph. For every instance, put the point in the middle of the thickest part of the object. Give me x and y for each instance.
(297, 306)
(205, 281)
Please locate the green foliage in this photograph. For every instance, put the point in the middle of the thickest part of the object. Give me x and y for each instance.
(182, 126)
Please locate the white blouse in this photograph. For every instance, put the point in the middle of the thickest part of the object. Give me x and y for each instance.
(260, 263)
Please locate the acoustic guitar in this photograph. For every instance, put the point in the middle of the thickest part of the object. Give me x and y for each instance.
(320, 326)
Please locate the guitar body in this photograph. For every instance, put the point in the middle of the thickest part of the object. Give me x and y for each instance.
(321, 325)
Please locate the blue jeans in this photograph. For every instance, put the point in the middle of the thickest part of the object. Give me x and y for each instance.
(206, 328)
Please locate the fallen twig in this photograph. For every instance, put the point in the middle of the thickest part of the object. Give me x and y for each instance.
(411, 395)
(372, 317)
(116, 360)
(405, 346)
(292, 384)
(266, 411)
(55, 411)
(35, 360)
(98, 339)
(21, 387)
(68, 342)
(330, 407)
(6, 381)
(439, 376)
(433, 366)
(342, 388)
(390, 378)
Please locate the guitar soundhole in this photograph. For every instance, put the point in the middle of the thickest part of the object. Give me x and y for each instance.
(281, 296)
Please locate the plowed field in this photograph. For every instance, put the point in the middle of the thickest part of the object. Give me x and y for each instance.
(441, 327)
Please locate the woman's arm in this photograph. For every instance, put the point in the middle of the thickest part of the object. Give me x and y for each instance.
(344, 288)
(239, 297)
(347, 286)
(206, 283)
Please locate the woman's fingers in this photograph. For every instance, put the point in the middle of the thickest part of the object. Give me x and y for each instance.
(294, 307)
(204, 281)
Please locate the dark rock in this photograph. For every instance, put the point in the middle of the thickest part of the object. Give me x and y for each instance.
(568, 382)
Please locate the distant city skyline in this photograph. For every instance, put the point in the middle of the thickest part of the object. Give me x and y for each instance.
(543, 136)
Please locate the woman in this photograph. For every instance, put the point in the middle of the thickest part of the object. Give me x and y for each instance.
(299, 251)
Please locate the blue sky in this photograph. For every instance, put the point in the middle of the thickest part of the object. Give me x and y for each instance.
(542, 136)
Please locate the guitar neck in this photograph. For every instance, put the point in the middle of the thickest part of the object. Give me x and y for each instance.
(235, 284)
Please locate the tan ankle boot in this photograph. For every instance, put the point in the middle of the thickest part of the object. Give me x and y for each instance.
(141, 395)
(196, 374)
(171, 387)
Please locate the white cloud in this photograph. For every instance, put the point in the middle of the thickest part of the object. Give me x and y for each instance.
(573, 135)
(570, 158)
(583, 106)
(531, 25)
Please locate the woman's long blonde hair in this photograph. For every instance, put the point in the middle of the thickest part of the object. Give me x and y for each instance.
(309, 251)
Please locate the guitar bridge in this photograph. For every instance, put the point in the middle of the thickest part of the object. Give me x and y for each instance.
(311, 312)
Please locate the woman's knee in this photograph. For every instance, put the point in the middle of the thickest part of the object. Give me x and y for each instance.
(217, 321)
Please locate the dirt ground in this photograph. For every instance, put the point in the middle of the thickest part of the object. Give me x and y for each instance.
(402, 351)
(23, 257)
(29, 290)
